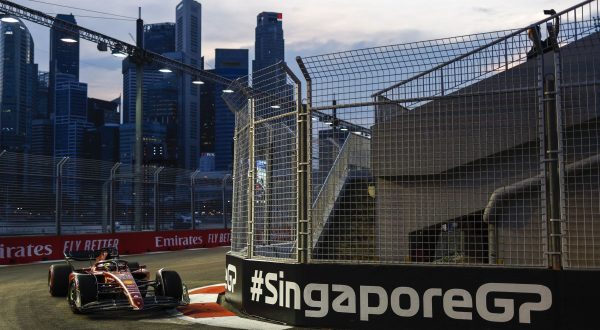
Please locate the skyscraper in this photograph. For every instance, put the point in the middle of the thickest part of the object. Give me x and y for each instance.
(231, 64)
(269, 50)
(102, 140)
(70, 125)
(151, 76)
(159, 38)
(269, 43)
(160, 94)
(101, 112)
(154, 144)
(64, 57)
(70, 121)
(42, 130)
(41, 98)
(162, 109)
(42, 137)
(18, 75)
(102, 143)
(188, 30)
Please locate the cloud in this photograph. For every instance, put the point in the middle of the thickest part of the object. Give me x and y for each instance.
(363, 40)
(483, 10)
(310, 26)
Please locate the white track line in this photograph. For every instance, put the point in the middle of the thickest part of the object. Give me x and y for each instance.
(203, 298)
(232, 322)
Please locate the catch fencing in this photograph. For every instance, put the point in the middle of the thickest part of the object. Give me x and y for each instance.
(474, 150)
(54, 196)
(268, 164)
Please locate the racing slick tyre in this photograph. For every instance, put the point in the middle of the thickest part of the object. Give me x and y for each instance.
(82, 290)
(58, 280)
(170, 284)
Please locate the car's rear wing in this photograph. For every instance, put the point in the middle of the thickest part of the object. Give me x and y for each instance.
(87, 255)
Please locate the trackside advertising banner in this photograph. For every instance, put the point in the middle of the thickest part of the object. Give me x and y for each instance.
(25, 249)
(414, 297)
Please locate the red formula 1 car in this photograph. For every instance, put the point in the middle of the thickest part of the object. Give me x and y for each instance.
(111, 283)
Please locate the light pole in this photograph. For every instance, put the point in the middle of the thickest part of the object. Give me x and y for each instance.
(192, 198)
(139, 157)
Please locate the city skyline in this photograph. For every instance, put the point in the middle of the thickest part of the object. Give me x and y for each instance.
(17, 81)
(349, 25)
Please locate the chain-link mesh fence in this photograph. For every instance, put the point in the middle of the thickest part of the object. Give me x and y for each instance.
(480, 149)
(407, 174)
(265, 205)
(27, 202)
(46, 195)
(442, 151)
(241, 169)
(578, 87)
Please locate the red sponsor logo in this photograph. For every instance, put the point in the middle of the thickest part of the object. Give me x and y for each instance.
(23, 251)
(177, 241)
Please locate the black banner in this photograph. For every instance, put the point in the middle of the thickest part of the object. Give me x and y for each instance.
(414, 297)
(234, 274)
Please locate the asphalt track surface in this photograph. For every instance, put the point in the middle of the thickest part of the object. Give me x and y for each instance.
(26, 304)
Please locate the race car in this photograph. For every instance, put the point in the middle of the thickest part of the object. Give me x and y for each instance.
(111, 283)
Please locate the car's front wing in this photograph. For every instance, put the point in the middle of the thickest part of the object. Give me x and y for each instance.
(153, 302)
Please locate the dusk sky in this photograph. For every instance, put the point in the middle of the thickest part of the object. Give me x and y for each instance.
(311, 27)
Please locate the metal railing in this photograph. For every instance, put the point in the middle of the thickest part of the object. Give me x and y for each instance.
(46, 195)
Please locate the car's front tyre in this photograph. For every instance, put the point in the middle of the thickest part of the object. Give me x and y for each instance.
(170, 284)
(83, 289)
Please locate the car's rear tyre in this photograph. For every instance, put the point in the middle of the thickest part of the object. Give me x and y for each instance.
(170, 284)
(82, 290)
(58, 280)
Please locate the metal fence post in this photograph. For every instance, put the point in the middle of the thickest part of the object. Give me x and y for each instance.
(564, 261)
(111, 200)
(192, 198)
(58, 194)
(156, 197)
(552, 163)
(304, 170)
(303, 186)
(549, 147)
(228, 175)
(251, 179)
(551, 155)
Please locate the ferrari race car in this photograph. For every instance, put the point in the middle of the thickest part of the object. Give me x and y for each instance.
(111, 283)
